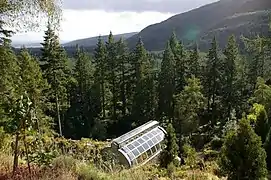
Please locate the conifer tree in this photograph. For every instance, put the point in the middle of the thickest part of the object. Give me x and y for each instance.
(122, 69)
(242, 154)
(166, 85)
(180, 63)
(33, 84)
(229, 76)
(143, 84)
(193, 63)
(83, 107)
(111, 65)
(189, 103)
(171, 150)
(213, 80)
(56, 72)
(100, 73)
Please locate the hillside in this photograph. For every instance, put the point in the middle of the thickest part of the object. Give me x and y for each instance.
(92, 41)
(221, 18)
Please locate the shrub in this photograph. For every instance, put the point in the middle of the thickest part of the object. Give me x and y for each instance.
(89, 172)
(171, 150)
(242, 155)
(190, 155)
(65, 163)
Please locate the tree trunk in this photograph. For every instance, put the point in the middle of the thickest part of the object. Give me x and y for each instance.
(16, 153)
(58, 115)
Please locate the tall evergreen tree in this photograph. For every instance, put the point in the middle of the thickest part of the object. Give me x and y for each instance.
(143, 84)
(171, 150)
(56, 72)
(100, 73)
(229, 76)
(83, 108)
(111, 63)
(180, 63)
(33, 84)
(166, 84)
(189, 103)
(213, 80)
(193, 63)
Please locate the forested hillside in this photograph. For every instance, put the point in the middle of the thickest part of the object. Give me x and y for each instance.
(222, 18)
(57, 117)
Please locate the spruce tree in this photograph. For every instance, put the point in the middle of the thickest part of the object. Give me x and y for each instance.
(34, 85)
(143, 85)
(242, 154)
(170, 151)
(229, 76)
(56, 72)
(122, 69)
(189, 103)
(111, 65)
(100, 73)
(193, 63)
(180, 63)
(212, 81)
(166, 85)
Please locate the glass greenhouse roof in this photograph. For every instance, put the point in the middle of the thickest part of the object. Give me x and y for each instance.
(143, 143)
(128, 136)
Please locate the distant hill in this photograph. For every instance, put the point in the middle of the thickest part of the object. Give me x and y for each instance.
(222, 18)
(88, 42)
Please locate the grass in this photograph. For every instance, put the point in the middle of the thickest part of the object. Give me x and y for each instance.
(67, 168)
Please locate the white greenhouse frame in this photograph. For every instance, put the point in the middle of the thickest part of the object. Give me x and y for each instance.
(140, 145)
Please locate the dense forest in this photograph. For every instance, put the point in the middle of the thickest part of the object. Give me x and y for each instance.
(216, 107)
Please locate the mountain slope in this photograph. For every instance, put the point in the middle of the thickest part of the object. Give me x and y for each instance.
(221, 18)
(87, 42)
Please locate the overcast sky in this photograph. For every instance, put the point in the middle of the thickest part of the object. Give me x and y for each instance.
(88, 18)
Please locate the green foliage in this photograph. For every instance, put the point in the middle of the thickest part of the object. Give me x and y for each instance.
(242, 155)
(189, 103)
(190, 155)
(166, 84)
(171, 150)
(267, 147)
(258, 117)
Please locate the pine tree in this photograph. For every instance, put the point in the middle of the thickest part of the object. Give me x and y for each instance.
(193, 63)
(122, 69)
(143, 84)
(180, 63)
(257, 61)
(242, 154)
(100, 73)
(212, 80)
(189, 103)
(171, 150)
(33, 84)
(56, 72)
(166, 85)
(229, 76)
(111, 65)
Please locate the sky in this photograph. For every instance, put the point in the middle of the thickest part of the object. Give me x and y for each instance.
(88, 18)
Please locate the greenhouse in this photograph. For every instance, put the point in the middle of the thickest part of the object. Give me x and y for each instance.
(140, 145)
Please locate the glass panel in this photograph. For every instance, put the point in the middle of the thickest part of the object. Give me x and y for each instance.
(131, 156)
(150, 135)
(136, 144)
(146, 146)
(135, 152)
(130, 146)
(150, 143)
(155, 132)
(125, 149)
(140, 149)
(154, 140)
(145, 137)
(140, 140)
